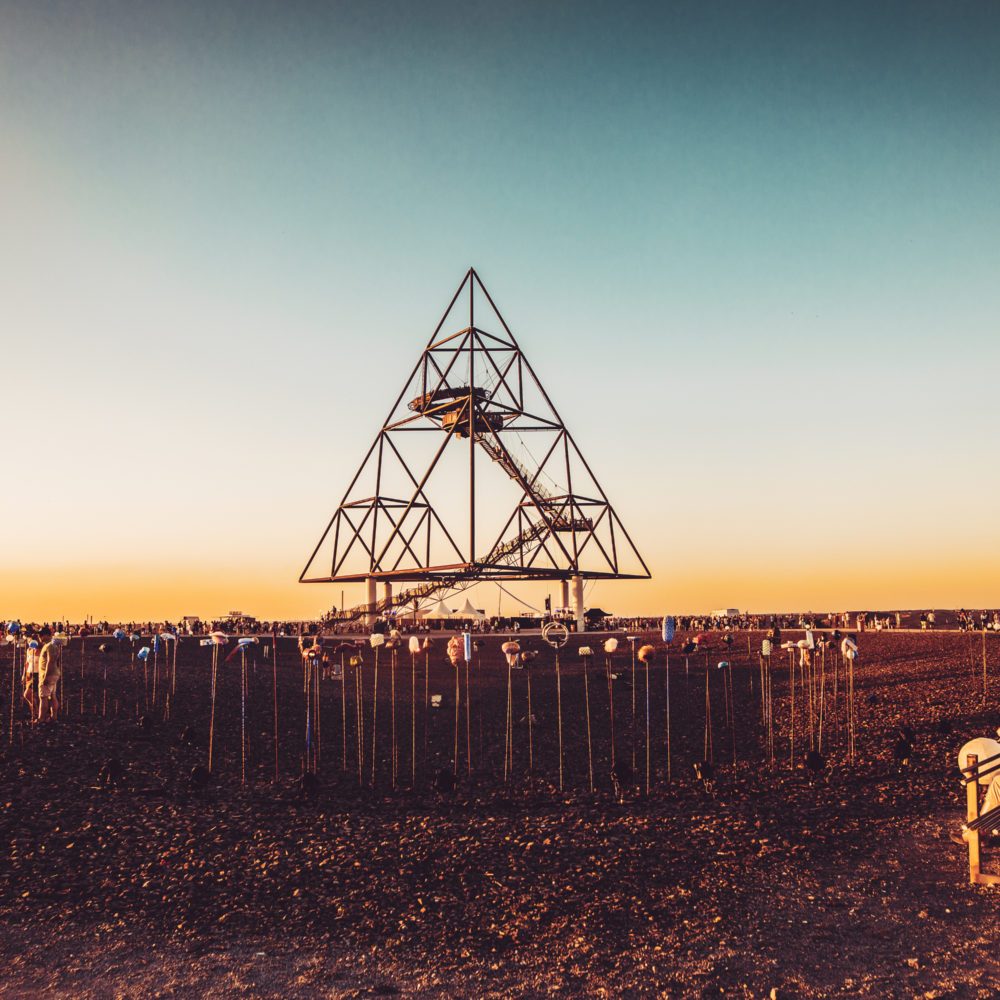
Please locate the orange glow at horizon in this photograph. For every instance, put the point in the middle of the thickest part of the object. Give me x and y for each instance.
(126, 592)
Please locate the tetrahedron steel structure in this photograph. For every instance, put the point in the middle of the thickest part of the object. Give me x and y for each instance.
(473, 476)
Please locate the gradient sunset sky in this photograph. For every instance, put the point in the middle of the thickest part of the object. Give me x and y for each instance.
(750, 248)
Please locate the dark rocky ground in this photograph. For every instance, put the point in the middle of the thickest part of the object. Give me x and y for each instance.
(842, 883)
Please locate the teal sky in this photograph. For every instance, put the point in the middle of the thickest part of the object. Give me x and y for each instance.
(751, 250)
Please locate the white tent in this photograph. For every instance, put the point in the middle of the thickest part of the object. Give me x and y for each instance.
(470, 612)
(440, 610)
(431, 611)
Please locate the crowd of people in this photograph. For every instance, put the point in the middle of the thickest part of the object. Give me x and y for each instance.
(978, 621)
(188, 626)
(859, 621)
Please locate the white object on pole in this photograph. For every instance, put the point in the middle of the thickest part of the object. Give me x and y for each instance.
(669, 627)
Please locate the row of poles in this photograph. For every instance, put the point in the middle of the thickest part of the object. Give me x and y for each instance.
(819, 698)
(820, 694)
(153, 676)
(806, 684)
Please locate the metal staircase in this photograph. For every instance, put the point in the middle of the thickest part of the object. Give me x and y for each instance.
(513, 468)
(506, 552)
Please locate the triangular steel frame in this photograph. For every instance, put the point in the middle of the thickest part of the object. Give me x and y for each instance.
(392, 536)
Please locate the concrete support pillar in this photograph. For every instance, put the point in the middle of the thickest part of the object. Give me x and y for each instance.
(387, 594)
(564, 593)
(370, 601)
(581, 623)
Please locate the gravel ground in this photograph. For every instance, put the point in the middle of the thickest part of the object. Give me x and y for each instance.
(840, 882)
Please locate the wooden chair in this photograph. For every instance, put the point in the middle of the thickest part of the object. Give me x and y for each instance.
(975, 823)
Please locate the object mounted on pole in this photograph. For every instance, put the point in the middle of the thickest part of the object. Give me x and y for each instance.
(425, 507)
